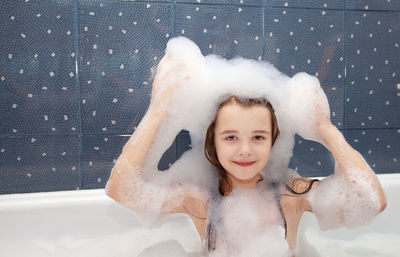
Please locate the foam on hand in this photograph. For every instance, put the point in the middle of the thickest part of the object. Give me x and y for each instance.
(305, 99)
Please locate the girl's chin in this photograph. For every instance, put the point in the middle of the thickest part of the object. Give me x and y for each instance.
(245, 179)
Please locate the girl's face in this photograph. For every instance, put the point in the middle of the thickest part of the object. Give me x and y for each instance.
(243, 139)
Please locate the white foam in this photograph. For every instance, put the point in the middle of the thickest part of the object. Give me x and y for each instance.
(139, 194)
(345, 200)
(251, 225)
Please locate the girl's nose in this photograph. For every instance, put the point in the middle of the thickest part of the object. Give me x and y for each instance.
(244, 149)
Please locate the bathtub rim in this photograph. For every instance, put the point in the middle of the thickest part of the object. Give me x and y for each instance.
(57, 198)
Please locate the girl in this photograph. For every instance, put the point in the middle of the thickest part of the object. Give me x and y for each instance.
(248, 213)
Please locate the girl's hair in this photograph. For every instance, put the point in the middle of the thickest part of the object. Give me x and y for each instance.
(225, 184)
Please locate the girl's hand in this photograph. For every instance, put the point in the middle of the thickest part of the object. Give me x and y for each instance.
(171, 74)
(307, 107)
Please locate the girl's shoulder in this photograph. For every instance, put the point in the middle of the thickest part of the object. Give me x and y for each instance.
(195, 207)
(188, 199)
(195, 202)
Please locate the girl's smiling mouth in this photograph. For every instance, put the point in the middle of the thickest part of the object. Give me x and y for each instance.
(244, 164)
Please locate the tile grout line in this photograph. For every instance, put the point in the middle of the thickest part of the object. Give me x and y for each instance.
(78, 90)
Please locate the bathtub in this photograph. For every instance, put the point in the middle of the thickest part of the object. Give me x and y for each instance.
(88, 223)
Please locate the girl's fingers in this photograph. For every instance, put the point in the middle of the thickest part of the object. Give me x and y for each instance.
(166, 83)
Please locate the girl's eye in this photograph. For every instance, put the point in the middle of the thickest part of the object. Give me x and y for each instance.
(230, 138)
(259, 138)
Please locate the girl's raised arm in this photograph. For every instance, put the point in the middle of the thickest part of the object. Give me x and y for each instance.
(350, 162)
(126, 184)
(353, 195)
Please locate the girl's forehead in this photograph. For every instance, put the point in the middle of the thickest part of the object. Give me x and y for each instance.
(237, 108)
(236, 114)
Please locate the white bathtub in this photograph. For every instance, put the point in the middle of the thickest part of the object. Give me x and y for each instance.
(88, 223)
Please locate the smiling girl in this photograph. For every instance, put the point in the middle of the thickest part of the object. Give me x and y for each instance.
(249, 215)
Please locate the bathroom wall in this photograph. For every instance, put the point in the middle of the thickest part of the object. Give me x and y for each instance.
(75, 77)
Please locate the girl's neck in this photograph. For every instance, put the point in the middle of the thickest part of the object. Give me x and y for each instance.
(245, 184)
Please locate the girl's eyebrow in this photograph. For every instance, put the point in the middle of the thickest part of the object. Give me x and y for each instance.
(261, 131)
(235, 131)
(228, 132)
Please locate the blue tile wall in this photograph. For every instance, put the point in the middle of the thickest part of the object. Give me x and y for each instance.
(380, 147)
(293, 43)
(39, 163)
(119, 43)
(325, 4)
(99, 153)
(311, 159)
(389, 5)
(225, 2)
(373, 67)
(225, 30)
(38, 91)
(75, 77)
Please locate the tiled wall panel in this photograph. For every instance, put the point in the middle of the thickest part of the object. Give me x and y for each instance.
(389, 5)
(75, 77)
(379, 147)
(373, 70)
(38, 75)
(99, 155)
(293, 43)
(228, 31)
(311, 159)
(224, 2)
(325, 4)
(119, 44)
(39, 163)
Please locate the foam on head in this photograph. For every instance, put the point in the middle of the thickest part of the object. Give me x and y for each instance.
(212, 80)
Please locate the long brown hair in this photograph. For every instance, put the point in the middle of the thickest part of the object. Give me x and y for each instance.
(225, 184)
